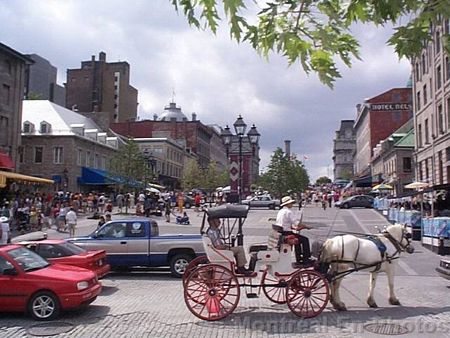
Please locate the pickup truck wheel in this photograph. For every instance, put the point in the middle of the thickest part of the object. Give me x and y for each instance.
(44, 305)
(178, 264)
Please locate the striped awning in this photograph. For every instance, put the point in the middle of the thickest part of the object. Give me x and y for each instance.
(4, 175)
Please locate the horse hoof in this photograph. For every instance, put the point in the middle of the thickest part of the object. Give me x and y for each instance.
(394, 301)
(373, 305)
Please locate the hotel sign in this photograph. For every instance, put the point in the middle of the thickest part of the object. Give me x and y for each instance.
(391, 106)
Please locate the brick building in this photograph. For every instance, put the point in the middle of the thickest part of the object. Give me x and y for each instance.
(431, 87)
(62, 145)
(377, 118)
(102, 87)
(12, 81)
(343, 150)
(40, 81)
(173, 124)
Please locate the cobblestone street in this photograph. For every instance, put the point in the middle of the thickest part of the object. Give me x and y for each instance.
(151, 303)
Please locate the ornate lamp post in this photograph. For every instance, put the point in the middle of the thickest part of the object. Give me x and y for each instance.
(240, 127)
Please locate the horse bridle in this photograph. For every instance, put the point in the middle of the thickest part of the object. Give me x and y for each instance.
(398, 244)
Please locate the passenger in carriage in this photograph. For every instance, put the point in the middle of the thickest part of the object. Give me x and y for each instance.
(287, 220)
(213, 233)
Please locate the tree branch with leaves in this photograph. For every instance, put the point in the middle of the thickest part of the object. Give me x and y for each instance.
(317, 33)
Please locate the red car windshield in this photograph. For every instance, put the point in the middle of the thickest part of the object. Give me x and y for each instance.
(27, 259)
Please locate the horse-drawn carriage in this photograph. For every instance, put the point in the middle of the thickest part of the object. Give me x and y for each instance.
(212, 287)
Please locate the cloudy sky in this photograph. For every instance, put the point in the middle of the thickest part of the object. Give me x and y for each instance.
(211, 75)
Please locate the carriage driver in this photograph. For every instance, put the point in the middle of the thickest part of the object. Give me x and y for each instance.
(289, 222)
(213, 233)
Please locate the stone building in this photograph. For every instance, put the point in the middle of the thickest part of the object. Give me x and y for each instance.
(12, 80)
(431, 88)
(377, 118)
(40, 81)
(103, 88)
(393, 159)
(166, 158)
(62, 145)
(344, 146)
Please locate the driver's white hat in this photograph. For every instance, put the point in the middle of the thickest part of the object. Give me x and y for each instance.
(286, 200)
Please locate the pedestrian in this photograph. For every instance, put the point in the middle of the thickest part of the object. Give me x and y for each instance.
(119, 200)
(197, 200)
(168, 210)
(101, 203)
(107, 217)
(71, 218)
(101, 222)
(4, 230)
(61, 225)
(180, 201)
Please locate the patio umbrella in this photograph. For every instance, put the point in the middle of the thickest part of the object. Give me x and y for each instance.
(417, 185)
(382, 186)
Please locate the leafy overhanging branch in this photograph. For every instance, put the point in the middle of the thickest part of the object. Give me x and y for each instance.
(316, 33)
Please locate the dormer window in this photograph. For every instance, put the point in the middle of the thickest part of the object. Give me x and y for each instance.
(28, 127)
(45, 127)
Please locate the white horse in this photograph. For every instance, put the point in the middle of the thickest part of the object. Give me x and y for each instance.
(346, 252)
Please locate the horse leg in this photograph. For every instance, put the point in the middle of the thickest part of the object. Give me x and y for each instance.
(373, 281)
(338, 304)
(390, 270)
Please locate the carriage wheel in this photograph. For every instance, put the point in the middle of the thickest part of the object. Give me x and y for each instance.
(276, 294)
(307, 293)
(211, 292)
(194, 264)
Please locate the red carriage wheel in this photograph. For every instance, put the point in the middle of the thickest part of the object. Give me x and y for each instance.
(211, 292)
(307, 293)
(194, 264)
(276, 294)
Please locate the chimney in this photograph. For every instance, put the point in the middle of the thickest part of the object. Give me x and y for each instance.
(155, 117)
(194, 117)
(287, 148)
(102, 56)
(93, 58)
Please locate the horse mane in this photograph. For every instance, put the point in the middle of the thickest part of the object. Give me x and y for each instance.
(395, 230)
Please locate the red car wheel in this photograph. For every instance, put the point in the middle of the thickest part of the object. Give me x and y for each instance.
(44, 305)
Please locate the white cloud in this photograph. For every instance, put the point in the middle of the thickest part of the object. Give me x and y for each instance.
(211, 75)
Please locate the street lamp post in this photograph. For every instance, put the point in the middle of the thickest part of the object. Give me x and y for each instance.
(252, 136)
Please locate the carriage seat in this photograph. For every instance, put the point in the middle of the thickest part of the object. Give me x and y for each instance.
(257, 247)
(216, 255)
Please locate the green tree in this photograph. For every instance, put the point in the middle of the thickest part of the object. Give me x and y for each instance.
(192, 175)
(323, 180)
(284, 174)
(317, 33)
(129, 163)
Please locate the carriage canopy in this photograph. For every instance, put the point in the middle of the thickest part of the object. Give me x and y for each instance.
(228, 211)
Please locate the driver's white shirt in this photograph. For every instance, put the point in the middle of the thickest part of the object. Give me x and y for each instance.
(287, 218)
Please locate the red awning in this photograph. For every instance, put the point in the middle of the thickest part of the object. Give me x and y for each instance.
(6, 162)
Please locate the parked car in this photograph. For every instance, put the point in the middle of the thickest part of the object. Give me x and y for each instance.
(132, 242)
(262, 201)
(31, 284)
(63, 252)
(444, 268)
(363, 201)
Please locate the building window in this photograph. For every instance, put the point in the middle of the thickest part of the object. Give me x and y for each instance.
(425, 98)
(45, 128)
(419, 136)
(446, 26)
(79, 157)
(103, 163)
(418, 100)
(88, 159)
(4, 134)
(438, 77)
(407, 164)
(424, 63)
(96, 161)
(57, 155)
(438, 42)
(38, 152)
(447, 68)
(7, 94)
(21, 151)
(441, 119)
(426, 169)
(447, 154)
(417, 72)
(448, 115)
(427, 133)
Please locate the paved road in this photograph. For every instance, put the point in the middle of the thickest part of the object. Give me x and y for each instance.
(151, 304)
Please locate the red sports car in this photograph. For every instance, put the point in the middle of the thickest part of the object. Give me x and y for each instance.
(62, 252)
(31, 284)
